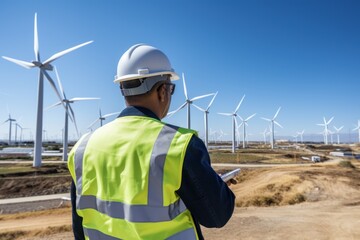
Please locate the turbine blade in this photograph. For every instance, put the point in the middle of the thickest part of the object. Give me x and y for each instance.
(185, 90)
(36, 40)
(202, 96)
(266, 119)
(82, 99)
(93, 123)
(54, 87)
(238, 106)
(54, 105)
(74, 120)
(226, 114)
(111, 114)
(236, 123)
(278, 124)
(19, 62)
(212, 100)
(59, 82)
(60, 54)
(250, 117)
(330, 120)
(203, 110)
(277, 112)
(181, 107)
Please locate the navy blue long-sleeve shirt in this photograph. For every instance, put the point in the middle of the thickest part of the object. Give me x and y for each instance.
(207, 197)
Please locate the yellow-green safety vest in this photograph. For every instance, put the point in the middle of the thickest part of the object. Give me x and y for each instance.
(126, 175)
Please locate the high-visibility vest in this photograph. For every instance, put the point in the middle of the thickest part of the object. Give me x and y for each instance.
(126, 175)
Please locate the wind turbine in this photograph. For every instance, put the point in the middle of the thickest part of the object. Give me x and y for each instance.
(187, 103)
(69, 112)
(234, 122)
(10, 120)
(326, 129)
(337, 133)
(102, 118)
(301, 135)
(43, 67)
(244, 124)
(272, 121)
(206, 112)
(358, 128)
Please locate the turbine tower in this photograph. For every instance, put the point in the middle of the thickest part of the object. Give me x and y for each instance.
(338, 133)
(43, 67)
(187, 103)
(273, 122)
(326, 129)
(244, 124)
(358, 128)
(234, 122)
(69, 112)
(102, 118)
(206, 112)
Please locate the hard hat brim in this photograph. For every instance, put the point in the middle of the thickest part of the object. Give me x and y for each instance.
(173, 76)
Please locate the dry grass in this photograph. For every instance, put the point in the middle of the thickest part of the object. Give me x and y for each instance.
(21, 235)
(60, 210)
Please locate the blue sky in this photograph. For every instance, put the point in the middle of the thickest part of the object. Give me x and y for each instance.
(301, 55)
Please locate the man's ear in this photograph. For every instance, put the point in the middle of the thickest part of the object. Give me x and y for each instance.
(162, 93)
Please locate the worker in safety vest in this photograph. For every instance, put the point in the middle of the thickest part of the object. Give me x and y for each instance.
(138, 177)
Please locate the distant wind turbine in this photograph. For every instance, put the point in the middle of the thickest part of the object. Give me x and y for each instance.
(10, 120)
(187, 103)
(206, 112)
(69, 112)
(301, 135)
(101, 118)
(337, 133)
(234, 122)
(326, 128)
(43, 67)
(358, 128)
(244, 124)
(272, 121)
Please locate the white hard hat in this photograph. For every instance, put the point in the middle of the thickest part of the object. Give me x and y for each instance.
(143, 61)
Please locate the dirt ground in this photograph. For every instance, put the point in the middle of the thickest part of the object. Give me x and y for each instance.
(319, 201)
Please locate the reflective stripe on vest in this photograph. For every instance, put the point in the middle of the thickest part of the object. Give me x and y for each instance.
(95, 234)
(154, 211)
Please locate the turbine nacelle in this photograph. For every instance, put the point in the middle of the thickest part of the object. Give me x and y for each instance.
(48, 67)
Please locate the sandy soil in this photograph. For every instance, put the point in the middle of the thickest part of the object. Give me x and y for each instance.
(321, 201)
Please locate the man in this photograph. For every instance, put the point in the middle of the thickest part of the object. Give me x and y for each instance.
(139, 178)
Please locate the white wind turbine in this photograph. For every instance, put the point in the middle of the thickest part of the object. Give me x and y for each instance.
(272, 121)
(10, 120)
(301, 135)
(206, 112)
(234, 122)
(101, 118)
(43, 67)
(187, 102)
(264, 133)
(69, 112)
(326, 128)
(338, 133)
(244, 124)
(358, 128)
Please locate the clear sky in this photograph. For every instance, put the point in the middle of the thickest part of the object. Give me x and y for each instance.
(301, 55)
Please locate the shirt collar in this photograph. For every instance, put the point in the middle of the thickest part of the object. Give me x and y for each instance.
(138, 111)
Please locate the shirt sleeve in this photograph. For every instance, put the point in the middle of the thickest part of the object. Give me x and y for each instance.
(76, 219)
(205, 194)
